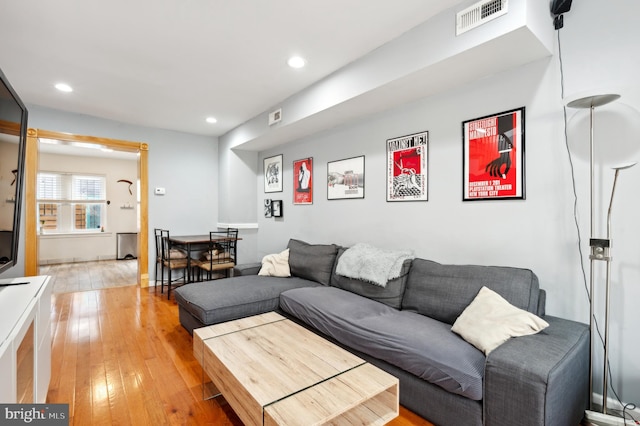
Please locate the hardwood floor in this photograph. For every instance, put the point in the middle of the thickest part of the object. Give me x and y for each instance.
(83, 276)
(120, 356)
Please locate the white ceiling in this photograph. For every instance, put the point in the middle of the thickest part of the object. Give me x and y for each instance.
(172, 63)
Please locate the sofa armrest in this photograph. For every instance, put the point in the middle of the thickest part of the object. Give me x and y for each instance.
(247, 269)
(541, 379)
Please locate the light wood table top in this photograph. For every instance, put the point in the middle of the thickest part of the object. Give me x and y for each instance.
(274, 371)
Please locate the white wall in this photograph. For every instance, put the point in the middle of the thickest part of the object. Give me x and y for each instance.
(185, 164)
(537, 233)
(75, 248)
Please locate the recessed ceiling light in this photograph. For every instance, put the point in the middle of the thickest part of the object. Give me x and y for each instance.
(211, 120)
(63, 87)
(296, 62)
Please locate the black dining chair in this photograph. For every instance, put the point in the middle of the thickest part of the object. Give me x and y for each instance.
(221, 254)
(158, 236)
(172, 259)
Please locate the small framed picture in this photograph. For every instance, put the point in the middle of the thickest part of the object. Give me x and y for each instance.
(268, 212)
(303, 181)
(273, 173)
(276, 208)
(493, 157)
(345, 178)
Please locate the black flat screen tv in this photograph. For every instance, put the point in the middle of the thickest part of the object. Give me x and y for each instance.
(13, 134)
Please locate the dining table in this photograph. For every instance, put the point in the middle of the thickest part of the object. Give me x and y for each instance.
(192, 243)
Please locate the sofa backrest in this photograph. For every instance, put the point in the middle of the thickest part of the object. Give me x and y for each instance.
(313, 262)
(391, 294)
(442, 292)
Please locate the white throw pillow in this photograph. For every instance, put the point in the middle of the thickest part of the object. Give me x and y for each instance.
(276, 265)
(490, 320)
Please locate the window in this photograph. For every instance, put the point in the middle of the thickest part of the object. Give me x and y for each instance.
(71, 202)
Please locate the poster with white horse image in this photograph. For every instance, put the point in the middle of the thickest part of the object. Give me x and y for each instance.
(273, 174)
(407, 167)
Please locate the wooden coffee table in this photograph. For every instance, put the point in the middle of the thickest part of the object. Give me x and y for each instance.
(273, 371)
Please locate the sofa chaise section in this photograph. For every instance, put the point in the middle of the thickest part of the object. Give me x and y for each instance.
(212, 302)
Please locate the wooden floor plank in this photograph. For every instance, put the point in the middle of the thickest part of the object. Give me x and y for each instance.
(120, 356)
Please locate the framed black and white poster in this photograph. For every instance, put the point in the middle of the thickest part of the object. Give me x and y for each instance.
(273, 173)
(345, 178)
(268, 212)
(276, 208)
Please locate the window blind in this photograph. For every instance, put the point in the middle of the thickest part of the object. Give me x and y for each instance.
(49, 186)
(88, 188)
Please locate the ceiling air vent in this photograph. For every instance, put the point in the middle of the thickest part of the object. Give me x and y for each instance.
(479, 13)
(275, 116)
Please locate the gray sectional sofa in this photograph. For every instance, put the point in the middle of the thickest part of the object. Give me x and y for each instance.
(405, 329)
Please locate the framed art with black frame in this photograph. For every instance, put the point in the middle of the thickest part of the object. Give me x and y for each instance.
(345, 178)
(273, 173)
(493, 157)
(268, 209)
(407, 167)
(276, 208)
(303, 181)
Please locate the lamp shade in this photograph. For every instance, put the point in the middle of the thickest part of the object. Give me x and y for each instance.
(593, 101)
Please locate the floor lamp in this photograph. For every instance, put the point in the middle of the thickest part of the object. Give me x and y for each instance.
(600, 251)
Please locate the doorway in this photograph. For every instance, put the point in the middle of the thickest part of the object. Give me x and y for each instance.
(31, 173)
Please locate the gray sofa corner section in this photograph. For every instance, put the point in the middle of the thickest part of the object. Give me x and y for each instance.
(390, 295)
(548, 370)
(213, 302)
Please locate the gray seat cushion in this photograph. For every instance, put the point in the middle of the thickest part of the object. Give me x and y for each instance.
(442, 292)
(216, 301)
(420, 345)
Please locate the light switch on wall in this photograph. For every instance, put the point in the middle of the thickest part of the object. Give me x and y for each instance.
(160, 191)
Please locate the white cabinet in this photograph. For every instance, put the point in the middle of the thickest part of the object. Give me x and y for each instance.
(25, 340)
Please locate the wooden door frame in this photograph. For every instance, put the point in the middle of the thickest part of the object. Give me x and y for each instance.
(32, 153)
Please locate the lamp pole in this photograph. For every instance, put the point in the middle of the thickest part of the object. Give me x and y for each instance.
(599, 247)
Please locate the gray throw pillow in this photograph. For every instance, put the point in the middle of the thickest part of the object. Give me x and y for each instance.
(312, 261)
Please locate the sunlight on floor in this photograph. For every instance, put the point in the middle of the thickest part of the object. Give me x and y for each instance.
(84, 276)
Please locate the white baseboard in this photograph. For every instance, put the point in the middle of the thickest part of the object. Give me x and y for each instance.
(594, 418)
(614, 413)
(76, 259)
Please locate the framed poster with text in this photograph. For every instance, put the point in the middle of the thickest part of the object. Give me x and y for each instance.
(303, 181)
(407, 167)
(493, 157)
(345, 178)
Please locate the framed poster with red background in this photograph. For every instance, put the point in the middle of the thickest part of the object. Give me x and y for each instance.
(407, 167)
(493, 156)
(303, 181)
